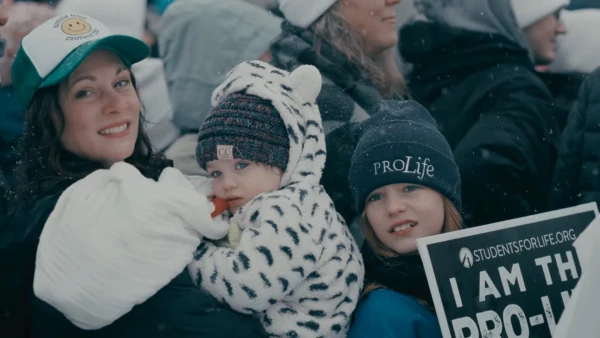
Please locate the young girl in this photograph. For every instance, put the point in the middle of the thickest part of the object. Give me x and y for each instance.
(296, 265)
(407, 186)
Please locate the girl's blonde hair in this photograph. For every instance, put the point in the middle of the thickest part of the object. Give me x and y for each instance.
(382, 69)
(452, 222)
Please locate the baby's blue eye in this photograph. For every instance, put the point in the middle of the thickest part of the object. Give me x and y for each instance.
(216, 174)
(241, 165)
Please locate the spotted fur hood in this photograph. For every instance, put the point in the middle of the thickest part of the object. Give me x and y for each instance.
(294, 96)
(296, 267)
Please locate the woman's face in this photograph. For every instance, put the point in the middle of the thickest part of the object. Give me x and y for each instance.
(374, 20)
(101, 109)
(402, 213)
(542, 37)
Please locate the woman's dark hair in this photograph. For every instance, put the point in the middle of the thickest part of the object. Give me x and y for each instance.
(44, 162)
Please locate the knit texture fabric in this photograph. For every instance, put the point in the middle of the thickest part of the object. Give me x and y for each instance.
(400, 143)
(248, 124)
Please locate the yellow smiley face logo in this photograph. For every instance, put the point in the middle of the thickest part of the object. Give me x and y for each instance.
(75, 26)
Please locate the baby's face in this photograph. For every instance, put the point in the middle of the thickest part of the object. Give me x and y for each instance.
(239, 181)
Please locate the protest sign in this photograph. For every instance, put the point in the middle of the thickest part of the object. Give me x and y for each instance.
(580, 317)
(510, 279)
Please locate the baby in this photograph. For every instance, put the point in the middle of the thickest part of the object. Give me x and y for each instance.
(297, 267)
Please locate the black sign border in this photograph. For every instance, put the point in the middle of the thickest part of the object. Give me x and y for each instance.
(423, 246)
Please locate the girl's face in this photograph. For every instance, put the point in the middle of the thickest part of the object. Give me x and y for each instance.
(101, 110)
(374, 20)
(401, 213)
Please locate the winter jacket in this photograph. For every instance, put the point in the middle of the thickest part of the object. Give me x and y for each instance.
(81, 259)
(347, 97)
(19, 236)
(389, 314)
(297, 266)
(200, 41)
(11, 127)
(177, 310)
(565, 90)
(577, 173)
(5, 197)
(12, 119)
(393, 311)
(495, 112)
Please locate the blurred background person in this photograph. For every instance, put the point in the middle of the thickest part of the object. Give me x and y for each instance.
(577, 173)
(472, 66)
(24, 17)
(200, 42)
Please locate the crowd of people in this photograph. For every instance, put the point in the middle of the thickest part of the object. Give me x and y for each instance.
(334, 134)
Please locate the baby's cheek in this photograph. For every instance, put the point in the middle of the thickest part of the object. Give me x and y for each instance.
(219, 191)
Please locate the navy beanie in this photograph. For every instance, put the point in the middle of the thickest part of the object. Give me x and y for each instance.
(400, 143)
(244, 127)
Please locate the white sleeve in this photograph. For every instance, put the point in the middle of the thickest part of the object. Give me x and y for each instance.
(275, 254)
(113, 240)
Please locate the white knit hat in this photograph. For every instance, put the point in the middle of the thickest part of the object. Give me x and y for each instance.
(529, 12)
(115, 238)
(303, 13)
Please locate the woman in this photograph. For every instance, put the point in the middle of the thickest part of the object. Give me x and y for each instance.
(406, 186)
(149, 73)
(351, 43)
(83, 114)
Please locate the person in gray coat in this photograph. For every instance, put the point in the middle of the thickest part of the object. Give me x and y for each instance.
(200, 42)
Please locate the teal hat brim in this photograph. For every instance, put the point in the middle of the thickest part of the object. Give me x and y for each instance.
(129, 49)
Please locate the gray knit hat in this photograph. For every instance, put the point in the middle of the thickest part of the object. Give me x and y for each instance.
(244, 127)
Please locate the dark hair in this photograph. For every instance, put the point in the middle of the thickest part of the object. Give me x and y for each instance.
(44, 162)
